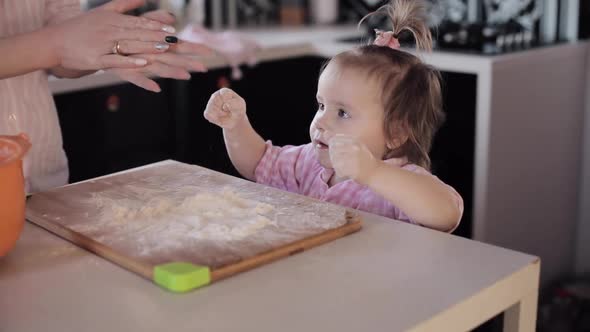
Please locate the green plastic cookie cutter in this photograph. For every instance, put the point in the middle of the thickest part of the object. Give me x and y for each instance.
(181, 277)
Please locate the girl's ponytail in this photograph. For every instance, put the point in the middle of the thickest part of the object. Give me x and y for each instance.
(408, 15)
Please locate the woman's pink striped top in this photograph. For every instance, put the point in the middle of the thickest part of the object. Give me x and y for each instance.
(26, 104)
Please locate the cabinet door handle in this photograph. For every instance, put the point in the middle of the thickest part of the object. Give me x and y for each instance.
(113, 103)
(223, 82)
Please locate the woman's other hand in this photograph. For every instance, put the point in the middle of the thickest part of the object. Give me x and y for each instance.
(88, 41)
(176, 63)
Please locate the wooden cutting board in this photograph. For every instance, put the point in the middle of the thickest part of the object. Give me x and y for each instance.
(184, 226)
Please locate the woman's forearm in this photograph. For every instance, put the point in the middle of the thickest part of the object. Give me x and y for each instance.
(25, 53)
(245, 148)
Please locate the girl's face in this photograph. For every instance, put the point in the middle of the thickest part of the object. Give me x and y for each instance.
(350, 104)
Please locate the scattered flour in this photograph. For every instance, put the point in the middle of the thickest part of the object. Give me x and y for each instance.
(224, 216)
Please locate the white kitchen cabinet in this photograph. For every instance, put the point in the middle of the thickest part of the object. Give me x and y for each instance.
(528, 143)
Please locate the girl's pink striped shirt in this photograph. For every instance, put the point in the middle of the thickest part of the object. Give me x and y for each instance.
(296, 169)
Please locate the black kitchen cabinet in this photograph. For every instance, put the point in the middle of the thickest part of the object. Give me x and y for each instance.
(110, 129)
(453, 147)
(584, 19)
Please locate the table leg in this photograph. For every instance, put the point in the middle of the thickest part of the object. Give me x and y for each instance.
(522, 316)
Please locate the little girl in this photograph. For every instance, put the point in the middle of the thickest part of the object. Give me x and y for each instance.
(378, 110)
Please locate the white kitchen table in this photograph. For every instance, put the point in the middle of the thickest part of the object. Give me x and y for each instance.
(390, 276)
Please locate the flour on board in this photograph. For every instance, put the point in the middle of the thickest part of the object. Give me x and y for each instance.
(216, 216)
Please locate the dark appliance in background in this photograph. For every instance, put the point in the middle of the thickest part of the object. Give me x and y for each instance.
(254, 13)
(496, 29)
(257, 12)
(504, 26)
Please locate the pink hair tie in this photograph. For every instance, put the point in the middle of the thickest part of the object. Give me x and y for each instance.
(386, 38)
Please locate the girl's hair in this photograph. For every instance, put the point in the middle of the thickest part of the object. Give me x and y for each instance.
(411, 94)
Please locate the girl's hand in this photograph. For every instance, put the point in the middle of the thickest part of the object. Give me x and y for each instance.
(225, 109)
(351, 159)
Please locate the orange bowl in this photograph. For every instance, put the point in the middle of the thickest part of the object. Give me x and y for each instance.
(12, 190)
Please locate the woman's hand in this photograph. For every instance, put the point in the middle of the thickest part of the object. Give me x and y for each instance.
(177, 62)
(225, 109)
(87, 41)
